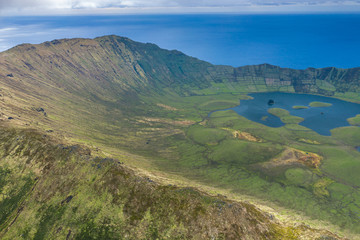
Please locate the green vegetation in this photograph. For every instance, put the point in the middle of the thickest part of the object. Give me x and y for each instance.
(204, 135)
(348, 135)
(285, 116)
(244, 167)
(299, 176)
(319, 104)
(150, 109)
(300, 107)
(101, 198)
(355, 121)
(324, 85)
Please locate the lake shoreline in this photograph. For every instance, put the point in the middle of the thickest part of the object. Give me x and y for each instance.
(331, 113)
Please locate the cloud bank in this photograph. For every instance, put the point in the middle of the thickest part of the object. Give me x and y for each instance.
(68, 6)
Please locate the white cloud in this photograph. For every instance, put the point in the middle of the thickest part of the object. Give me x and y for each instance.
(74, 6)
(94, 3)
(9, 29)
(21, 4)
(201, 3)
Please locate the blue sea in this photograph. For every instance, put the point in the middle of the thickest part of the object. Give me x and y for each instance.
(295, 41)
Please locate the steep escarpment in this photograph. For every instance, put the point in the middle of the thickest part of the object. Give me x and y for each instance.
(119, 64)
(324, 81)
(103, 66)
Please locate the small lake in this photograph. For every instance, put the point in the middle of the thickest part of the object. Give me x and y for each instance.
(319, 119)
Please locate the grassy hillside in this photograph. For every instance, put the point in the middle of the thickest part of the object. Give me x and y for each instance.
(62, 192)
(149, 107)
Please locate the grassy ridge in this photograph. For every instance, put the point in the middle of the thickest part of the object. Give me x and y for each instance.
(103, 199)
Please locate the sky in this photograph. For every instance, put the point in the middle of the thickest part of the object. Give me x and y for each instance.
(76, 7)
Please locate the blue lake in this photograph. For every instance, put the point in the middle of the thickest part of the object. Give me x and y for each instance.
(319, 119)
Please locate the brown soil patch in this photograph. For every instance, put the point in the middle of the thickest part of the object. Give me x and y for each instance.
(308, 141)
(169, 121)
(291, 155)
(246, 136)
(167, 107)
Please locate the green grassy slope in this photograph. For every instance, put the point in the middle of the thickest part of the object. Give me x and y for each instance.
(53, 191)
(328, 191)
(121, 98)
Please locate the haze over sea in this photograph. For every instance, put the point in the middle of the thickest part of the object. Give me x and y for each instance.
(294, 41)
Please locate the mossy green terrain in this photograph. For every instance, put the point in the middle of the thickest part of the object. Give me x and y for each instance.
(355, 121)
(101, 198)
(319, 104)
(300, 107)
(152, 109)
(247, 167)
(285, 116)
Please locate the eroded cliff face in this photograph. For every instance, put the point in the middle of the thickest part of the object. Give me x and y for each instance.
(325, 81)
(110, 65)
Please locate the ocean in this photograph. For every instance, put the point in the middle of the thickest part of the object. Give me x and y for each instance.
(294, 41)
